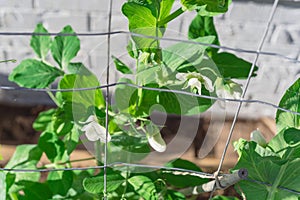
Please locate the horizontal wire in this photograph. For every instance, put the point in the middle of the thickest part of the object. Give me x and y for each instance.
(295, 60)
(152, 89)
(115, 164)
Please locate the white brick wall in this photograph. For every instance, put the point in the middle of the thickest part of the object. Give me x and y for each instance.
(241, 27)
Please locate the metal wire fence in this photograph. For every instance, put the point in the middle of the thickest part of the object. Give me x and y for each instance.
(214, 176)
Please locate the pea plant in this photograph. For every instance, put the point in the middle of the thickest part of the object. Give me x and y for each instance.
(80, 115)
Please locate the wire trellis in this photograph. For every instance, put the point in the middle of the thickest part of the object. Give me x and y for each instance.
(215, 176)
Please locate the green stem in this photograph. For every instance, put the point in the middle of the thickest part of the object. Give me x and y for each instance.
(272, 191)
(126, 178)
(171, 17)
(10, 60)
(53, 98)
(98, 151)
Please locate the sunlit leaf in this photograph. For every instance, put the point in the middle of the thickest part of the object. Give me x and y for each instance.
(266, 166)
(41, 43)
(144, 186)
(231, 66)
(24, 157)
(121, 67)
(65, 47)
(95, 184)
(289, 101)
(32, 73)
(202, 26)
(43, 121)
(182, 180)
(207, 7)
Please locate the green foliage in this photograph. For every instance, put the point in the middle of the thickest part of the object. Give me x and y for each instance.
(95, 184)
(121, 67)
(289, 101)
(189, 67)
(41, 44)
(32, 73)
(207, 7)
(231, 66)
(2, 185)
(53, 147)
(274, 167)
(65, 48)
(183, 180)
(144, 186)
(279, 170)
(60, 182)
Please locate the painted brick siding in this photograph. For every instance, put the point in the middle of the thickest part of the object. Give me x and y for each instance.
(242, 27)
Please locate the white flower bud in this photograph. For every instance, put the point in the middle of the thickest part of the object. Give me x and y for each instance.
(94, 131)
(257, 137)
(154, 138)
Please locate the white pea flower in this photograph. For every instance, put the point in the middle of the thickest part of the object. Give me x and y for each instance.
(228, 89)
(196, 80)
(94, 131)
(257, 137)
(154, 138)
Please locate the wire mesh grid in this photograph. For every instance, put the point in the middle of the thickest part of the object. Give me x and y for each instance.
(214, 176)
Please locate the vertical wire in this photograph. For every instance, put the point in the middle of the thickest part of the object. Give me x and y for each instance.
(260, 46)
(107, 101)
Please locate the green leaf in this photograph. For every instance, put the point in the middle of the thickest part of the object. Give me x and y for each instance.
(32, 73)
(65, 48)
(44, 120)
(286, 141)
(78, 68)
(202, 26)
(35, 190)
(292, 136)
(182, 180)
(71, 141)
(53, 147)
(290, 101)
(41, 43)
(79, 176)
(121, 67)
(207, 7)
(182, 53)
(2, 185)
(95, 184)
(63, 120)
(143, 19)
(265, 166)
(125, 96)
(85, 98)
(60, 181)
(130, 143)
(144, 187)
(230, 66)
(24, 157)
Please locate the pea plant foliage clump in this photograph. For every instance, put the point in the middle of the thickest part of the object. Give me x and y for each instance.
(80, 116)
